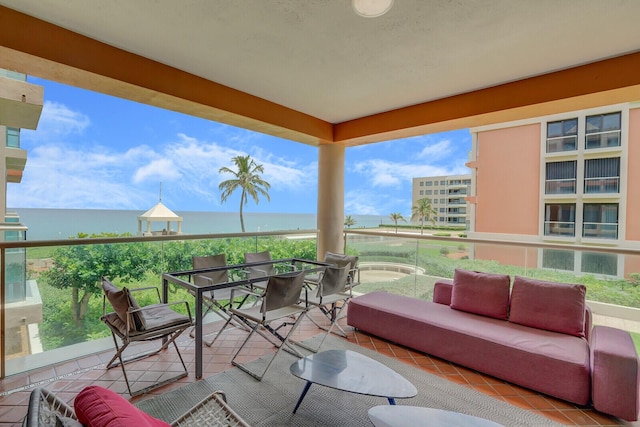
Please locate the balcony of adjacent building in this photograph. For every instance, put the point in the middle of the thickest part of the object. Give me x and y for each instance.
(20, 102)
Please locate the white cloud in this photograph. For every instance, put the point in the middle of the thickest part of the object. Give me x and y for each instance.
(61, 175)
(382, 173)
(57, 120)
(437, 151)
(157, 170)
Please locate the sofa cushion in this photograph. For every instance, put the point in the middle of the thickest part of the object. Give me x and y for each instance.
(557, 307)
(96, 406)
(481, 293)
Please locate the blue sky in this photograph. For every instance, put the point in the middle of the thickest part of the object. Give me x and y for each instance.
(93, 151)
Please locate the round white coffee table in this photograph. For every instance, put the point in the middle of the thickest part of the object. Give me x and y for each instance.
(413, 416)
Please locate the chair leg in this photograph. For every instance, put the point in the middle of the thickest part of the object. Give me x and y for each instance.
(209, 344)
(283, 346)
(118, 360)
(334, 316)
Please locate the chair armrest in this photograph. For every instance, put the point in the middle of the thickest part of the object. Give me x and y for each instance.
(148, 288)
(213, 409)
(286, 267)
(43, 401)
(244, 291)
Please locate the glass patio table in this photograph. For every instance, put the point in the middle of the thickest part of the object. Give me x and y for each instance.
(353, 372)
(178, 278)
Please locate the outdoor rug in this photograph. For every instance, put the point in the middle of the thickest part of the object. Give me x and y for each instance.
(270, 402)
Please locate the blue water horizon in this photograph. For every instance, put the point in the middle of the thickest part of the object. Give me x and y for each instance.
(53, 224)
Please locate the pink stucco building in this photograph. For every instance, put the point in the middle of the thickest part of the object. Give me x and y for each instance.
(565, 178)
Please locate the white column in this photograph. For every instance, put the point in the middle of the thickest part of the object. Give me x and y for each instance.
(330, 198)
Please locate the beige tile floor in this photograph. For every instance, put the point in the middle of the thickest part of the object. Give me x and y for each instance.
(66, 379)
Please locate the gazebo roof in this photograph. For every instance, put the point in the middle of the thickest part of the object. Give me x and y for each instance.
(160, 213)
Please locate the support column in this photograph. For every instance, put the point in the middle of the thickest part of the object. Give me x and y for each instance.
(330, 198)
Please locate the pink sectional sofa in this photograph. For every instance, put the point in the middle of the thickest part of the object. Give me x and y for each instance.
(535, 334)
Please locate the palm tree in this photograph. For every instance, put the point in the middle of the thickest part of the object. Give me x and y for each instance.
(246, 177)
(424, 212)
(349, 221)
(395, 217)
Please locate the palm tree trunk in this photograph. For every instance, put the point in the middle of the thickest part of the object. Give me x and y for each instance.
(242, 203)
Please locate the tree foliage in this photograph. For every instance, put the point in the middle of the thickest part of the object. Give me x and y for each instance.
(80, 268)
(71, 290)
(395, 217)
(248, 178)
(423, 211)
(349, 221)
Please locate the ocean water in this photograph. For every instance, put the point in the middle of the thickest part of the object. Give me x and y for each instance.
(48, 224)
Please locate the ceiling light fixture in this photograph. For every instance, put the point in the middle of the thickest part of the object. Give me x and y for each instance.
(371, 8)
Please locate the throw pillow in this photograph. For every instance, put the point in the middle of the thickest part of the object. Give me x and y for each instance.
(481, 293)
(557, 307)
(96, 406)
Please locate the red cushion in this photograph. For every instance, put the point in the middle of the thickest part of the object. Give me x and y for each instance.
(557, 307)
(481, 293)
(96, 406)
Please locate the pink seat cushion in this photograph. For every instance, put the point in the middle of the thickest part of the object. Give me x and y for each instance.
(481, 293)
(557, 307)
(96, 406)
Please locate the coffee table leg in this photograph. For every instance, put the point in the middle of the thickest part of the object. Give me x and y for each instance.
(304, 392)
(391, 400)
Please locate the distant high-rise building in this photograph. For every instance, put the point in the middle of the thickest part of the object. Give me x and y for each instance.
(447, 195)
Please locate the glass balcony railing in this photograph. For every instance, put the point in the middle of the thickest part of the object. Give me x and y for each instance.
(600, 230)
(57, 316)
(13, 75)
(560, 186)
(602, 185)
(53, 314)
(410, 265)
(559, 228)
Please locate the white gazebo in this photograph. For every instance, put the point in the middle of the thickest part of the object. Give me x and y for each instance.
(159, 213)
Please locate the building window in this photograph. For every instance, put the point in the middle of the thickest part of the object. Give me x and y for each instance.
(429, 183)
(422, 192)
(562, 136)
(600, 263)
(13, 137)
(421, 183)
(443, 182)
(600, 220)
(558, 259)
(441, 219)
(443, 191)
(560, 219)
(435, 201)
(428, 192)
(603, 130)
(602, 175)
(441, 200)
(441, 210)
(560, 177)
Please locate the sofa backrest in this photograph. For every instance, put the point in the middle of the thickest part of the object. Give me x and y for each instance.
(552, 306)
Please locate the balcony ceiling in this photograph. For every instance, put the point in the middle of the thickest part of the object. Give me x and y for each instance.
(315, 72)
